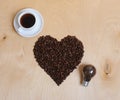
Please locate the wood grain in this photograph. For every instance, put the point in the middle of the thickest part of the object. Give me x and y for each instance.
(95, 22)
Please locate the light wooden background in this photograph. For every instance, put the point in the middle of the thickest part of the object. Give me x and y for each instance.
(95, 22)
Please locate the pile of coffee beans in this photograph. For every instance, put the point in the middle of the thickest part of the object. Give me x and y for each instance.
(58, 58)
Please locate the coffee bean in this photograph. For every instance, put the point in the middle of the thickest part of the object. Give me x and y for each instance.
(58, 58)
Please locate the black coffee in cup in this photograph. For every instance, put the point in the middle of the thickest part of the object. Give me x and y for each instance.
(27, 20)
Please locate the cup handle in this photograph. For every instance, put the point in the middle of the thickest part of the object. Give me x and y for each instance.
(19, 29)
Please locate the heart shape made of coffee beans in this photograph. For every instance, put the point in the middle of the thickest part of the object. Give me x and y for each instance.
(58, 58)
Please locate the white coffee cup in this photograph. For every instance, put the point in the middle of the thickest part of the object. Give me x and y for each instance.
(30, 30)
(22, 26)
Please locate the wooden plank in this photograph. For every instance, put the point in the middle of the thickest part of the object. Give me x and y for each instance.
(95, 22)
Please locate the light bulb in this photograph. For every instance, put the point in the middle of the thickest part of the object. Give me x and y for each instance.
(88, 72)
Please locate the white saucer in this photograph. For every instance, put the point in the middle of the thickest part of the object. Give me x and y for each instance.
(28, 32)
